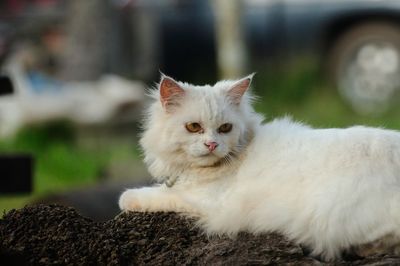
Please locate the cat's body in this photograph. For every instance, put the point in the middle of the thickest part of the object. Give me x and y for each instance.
(330, 189)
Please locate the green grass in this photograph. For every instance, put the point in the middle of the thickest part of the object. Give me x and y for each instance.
(60, 163)
(299, 91)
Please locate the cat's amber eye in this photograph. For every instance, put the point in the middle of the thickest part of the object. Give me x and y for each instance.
(194, 127)
(225, 128)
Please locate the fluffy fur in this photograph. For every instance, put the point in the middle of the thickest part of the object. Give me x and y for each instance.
(329, 189)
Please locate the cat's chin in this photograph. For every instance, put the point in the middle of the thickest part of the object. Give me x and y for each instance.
(207, 160)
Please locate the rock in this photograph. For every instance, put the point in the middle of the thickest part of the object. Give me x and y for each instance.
(53, 234)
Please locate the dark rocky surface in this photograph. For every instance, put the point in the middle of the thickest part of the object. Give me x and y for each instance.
(57, 235)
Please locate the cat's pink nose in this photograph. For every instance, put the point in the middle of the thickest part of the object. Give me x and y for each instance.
(211, 145)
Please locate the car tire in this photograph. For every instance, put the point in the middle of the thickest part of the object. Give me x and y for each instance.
(364, 64)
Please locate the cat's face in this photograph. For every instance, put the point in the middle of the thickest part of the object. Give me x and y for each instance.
(205, 129)
(202, 124)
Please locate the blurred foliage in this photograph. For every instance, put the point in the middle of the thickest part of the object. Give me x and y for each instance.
(300, 91)
(60, 163)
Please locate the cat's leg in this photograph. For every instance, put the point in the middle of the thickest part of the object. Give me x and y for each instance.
(157, 198)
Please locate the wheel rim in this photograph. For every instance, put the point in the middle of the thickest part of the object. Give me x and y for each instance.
(371, 76)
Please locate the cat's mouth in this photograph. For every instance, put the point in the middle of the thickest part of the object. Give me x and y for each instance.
(206, 154)
(210, 154)
(217, 161)
(211, 159)
(206, 158)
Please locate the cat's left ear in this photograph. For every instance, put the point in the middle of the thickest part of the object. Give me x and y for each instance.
(238, 89)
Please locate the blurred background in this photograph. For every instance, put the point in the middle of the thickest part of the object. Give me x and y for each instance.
(69, 125)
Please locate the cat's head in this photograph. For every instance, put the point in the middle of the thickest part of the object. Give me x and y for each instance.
(192, 126)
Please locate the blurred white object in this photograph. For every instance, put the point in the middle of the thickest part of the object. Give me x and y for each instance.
(89, 102)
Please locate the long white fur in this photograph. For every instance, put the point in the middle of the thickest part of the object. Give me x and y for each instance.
(329, 189)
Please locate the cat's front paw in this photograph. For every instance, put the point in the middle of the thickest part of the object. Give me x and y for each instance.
(129, 201)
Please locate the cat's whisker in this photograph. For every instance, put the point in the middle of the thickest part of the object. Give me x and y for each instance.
(229, 158)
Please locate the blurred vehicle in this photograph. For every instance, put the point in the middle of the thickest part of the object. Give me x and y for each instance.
(357, 42)
(38, 98)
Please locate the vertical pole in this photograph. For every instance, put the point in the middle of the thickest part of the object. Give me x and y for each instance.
(231, 52)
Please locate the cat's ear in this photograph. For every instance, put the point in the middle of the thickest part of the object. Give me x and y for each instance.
(236, 92)
(170, 92)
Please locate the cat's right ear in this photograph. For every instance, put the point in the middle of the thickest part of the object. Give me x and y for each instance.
(170, 93)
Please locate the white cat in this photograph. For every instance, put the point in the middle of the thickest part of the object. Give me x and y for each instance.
(329, 189)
